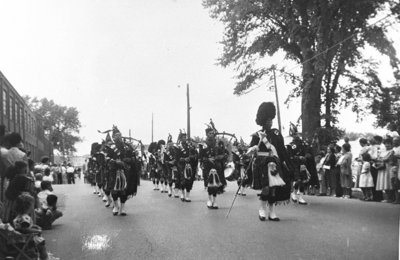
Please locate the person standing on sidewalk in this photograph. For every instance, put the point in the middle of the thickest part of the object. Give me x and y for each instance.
(70, 174)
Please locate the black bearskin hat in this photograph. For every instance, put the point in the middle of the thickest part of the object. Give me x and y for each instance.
(160, 143)
(152, 147)
(265, 111)
(95, 148)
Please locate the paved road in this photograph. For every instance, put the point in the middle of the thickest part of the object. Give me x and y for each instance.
(159, 227)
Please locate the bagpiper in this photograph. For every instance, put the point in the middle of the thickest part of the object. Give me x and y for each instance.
(171, 167)
(305, 171)
(152, 166)
(187, 163)
(213, 155)
(122, 172)
(161, 167)
(241, 161)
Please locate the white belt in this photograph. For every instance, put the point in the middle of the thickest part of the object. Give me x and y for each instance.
(263, 154)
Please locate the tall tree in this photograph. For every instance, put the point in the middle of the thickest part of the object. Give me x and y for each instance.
(322, 36)
(61, 122)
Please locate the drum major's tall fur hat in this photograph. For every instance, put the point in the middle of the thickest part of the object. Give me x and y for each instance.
(152, 147)
(265, 111)
(160, 143)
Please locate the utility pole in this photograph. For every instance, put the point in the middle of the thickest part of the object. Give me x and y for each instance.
(277, 101)
(188, 111)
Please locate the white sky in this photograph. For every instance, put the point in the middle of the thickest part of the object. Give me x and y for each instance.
(120, 61)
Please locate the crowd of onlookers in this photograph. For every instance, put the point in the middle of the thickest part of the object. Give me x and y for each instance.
(375, 170)
(27, 201)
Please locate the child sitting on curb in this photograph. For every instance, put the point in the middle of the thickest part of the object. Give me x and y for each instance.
(45, 216)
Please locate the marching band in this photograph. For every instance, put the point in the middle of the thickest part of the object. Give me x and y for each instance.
(278, 172)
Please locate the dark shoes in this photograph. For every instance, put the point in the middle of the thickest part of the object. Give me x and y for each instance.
(269, 218)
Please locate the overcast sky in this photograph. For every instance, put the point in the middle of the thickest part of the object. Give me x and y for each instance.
(120, 61)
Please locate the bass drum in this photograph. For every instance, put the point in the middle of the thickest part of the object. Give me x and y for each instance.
(230, 172)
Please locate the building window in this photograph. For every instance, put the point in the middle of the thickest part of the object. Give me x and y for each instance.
(29, 124)
(16, 112)
(11, 107)
(21, 123)
(4, 102)
(26, 121)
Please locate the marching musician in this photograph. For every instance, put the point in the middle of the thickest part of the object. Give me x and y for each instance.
(161, 167)
(187, 159)
(221, 158)
(171, 167)
(305, 170)
(154, 174)
(241, 165)
(267, 171)
(122, 178)
(208, 153)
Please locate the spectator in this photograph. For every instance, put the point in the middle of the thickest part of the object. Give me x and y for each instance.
(38, 182)
(319, 160)
(70, 174)
(345, 170)
(78, 172)
(396, 170)
(64, 173)
(347, 141)
(384, 164)
(328, 166)
(14, 153)
(366, 180)
(364, 147)
(47, 189)
(3, 162)
(53, 169)
(338, 186)
(47, 175)
(57, 172)
(31, 167)
(24, 224)
(374, 151)
(45, 217)
(20, 182)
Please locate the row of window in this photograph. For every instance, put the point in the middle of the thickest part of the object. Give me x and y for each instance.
(17, 117)
(16, 114)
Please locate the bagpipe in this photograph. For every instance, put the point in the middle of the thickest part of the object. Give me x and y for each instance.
(120, 146)
(301, 155)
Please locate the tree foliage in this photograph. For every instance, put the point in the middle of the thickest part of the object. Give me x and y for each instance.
(387, 109)
(60, 122)
(324, 37)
